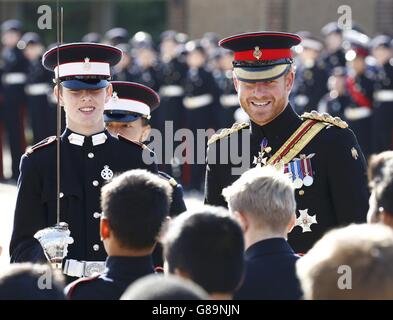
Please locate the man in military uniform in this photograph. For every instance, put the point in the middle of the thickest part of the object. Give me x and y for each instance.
(310, 83)
(334, 55)
(172, 72)
(202, 104)
(89, 157)
(13, 81)
(42, 114)
(359, 83)
(383, 96)
(322, 156)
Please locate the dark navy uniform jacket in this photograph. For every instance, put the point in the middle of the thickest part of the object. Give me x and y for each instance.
(270, 272)
(83, 169)
(383, 113)
(339, 193)
(177, 205)
(119, 274)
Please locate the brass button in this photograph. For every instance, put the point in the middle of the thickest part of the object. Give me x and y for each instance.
(95, 183)
(91, 155)
(61, 194)
(301, 192)
(96, 247)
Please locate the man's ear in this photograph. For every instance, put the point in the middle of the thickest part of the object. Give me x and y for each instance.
(145, 132)
(109, 91)
(289, 80)
(105, 230)
(292, 223)
(235, 81)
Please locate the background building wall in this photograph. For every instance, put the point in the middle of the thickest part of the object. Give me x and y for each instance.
(227, 17)
(313, 15)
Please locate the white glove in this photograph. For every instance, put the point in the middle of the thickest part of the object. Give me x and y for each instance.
(54, 241)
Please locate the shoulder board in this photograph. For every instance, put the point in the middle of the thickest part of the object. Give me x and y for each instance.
(227, 131)
(43, 143)
(325, 117)
(73, 285)
(167, 177)
(140, 144)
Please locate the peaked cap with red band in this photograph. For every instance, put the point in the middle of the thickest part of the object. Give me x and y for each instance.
(82, 65)
(261, 56)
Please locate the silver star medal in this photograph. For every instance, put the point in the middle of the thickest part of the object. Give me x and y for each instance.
(260, 160)
(305, 220)
(106, 173)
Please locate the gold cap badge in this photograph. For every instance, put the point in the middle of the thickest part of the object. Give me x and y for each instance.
(257, 53)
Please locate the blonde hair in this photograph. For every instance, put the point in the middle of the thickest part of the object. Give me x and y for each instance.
(266, 194)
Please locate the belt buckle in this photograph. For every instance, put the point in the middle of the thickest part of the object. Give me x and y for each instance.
(93, 267)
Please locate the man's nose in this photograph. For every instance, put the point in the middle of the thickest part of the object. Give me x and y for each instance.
(260, 89)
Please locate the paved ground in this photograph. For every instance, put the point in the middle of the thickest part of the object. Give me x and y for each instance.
(7, 204)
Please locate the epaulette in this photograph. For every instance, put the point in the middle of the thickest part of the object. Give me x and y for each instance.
(43, 143)
(73, 285)
(167, 177)
(325, 117)
(227, 131)
(140, 144)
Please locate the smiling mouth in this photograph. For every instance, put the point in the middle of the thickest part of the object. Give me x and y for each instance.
(260, 104)
(87, 109)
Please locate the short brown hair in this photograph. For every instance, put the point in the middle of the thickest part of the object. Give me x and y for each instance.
(366, 250)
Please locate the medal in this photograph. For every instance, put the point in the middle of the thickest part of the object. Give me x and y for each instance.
(297, 182)
(305, 220)
(305, 168)
(106, 173)
(260, 160)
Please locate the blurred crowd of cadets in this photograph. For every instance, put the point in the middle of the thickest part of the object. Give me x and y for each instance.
(345, 73)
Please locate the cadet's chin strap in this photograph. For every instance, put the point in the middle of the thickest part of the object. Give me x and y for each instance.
(58, 108)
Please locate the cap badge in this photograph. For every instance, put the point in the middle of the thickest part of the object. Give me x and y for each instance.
(114, 96)
(257, 53)
(86, 64)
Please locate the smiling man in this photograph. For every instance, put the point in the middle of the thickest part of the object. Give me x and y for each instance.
(90, 157)
(321, 155)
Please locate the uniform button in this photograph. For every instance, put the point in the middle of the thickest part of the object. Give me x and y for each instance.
(91, 155)
(96, 247)
(95, 183)
(301, 192)
(96, 215)
(61, 194)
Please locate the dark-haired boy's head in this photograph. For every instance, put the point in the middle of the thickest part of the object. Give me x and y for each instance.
(164, 287)
(27, 281)
(134, 206)
(206, 246)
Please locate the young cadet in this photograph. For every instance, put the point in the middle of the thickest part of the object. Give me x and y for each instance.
(89, 157)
